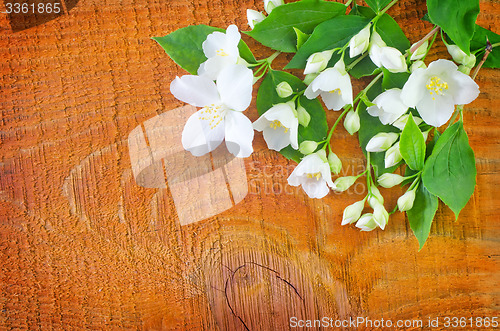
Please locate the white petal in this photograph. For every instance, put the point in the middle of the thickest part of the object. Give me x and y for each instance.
(310, 93)
(333, 100)
(346, 89)
(315, 189)
(438, 67)
(276, 139)
(375, 53)
(199, 138)
(239, 134)
(294, 131)
(227, 42)
(466, 89)
(414, 89)
(234, 84)
(436, 112)
(393, 60)
(198, 91)
(213, 66)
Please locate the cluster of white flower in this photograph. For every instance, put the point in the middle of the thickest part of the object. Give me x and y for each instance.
(223, 88)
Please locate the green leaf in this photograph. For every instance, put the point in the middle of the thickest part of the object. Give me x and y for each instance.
(276, 31)
(328, 35)
(479, 42)
(184, 46)
(377, 5)
(363, 11)
(301, 37)
(267, 97)
(412, 145)
(365, 67)
(450, 171)
(457, 18)
(422, 213)
(394, 80)
(391, 33)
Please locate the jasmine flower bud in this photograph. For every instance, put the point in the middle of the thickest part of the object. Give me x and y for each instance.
(389, 180)
(353, 212)
(303, 116)
(351, 122)
(366, 222)
(343, 183)
(269, 5)
(254, 17)
(405, 202)
(317, 62)
(420, 51)
(460, 57)
(380, 216)
(335, 163)
(381, 141)
(284, 90)
(392, 156)
(307, 147)
(375, 194)
(360, 42)
(401, 122)
(464, 69)
(417, 65)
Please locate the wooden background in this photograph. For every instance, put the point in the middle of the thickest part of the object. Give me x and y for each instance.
(83, 246)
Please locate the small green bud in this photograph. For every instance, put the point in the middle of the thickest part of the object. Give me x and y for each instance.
(303, 116)
(343, 183)
(284, 90)
(351, 122)
(335, 163)
(307, 147)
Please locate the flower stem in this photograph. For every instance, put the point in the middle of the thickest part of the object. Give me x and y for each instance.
(272, 57)
(353, 64)
(488, 49)
(455, 114)
(393, 2)
(368, 172)
(334, 126)
(424, 39)
(348, 3)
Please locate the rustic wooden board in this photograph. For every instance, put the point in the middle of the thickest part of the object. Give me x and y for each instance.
(83, 246)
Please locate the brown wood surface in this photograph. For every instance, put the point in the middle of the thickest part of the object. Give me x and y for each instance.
(82, 246)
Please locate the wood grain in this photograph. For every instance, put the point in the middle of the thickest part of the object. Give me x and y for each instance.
(82, 246)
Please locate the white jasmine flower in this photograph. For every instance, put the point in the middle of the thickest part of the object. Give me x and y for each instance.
(388, 180)
(334, 86)
(387, 57)
(393, 156)
(221, 116)
(388, 106)
(317, 62)
(353, 212)
(313, 173)
(221, 50)
(400, 123)
(269, 5)
(366, 222)
(254, 17)
(360, 42)
(436, 90)
(280, 126)
(352, 122)
(405, 202)
(460, 57)
(381, 141)
(420, 51)
(416, 65)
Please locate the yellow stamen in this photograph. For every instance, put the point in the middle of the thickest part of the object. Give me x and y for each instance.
(316, 175)
(337, 90)
(277, 124)
(436, 86)
(214, 114)
(221, 52)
